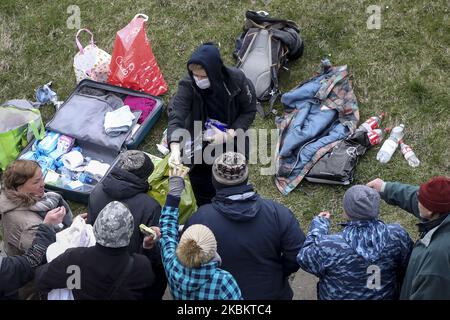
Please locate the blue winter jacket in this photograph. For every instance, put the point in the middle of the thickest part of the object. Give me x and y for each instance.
(360, 263)
(257, 239)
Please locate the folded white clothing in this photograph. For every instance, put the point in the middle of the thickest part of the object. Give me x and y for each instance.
(122, 117)
(114, 132)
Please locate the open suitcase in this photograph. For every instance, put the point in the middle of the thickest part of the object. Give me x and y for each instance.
(81, 117)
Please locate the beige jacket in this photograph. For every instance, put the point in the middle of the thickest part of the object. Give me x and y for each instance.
(19, 223)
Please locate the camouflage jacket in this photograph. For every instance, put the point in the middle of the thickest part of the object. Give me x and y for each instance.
(361, 262)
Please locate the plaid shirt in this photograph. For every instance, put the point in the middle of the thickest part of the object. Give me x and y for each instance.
(205, 283)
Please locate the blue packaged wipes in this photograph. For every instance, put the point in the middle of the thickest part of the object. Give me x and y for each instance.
(55, 154)
(46, 163)
(29, 155)
(49, 143)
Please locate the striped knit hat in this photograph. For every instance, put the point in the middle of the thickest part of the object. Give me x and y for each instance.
(230, 169)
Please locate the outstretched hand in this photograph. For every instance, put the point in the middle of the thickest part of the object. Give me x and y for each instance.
(376, 184)
(178, 171)
(325, 214)
(149, 242)
(175, 154)
(176, 180)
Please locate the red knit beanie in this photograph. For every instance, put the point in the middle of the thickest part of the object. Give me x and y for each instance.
(435, 195)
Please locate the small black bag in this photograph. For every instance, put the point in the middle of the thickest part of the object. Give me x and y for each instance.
(339, 164)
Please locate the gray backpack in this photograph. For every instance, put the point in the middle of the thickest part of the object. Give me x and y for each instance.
(265, 46)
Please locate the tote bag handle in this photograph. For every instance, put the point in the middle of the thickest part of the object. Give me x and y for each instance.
(142, 16)
(80, 47)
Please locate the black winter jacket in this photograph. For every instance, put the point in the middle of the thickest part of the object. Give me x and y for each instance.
(99, 268)
(123, 186)
(257, 239)
(187, 105)
(18, 270)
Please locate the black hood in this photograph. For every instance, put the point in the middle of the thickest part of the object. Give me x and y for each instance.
(216, 97)
(244, 205)
(121, 184)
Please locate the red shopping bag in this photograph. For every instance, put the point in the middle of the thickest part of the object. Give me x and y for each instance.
(133, 64)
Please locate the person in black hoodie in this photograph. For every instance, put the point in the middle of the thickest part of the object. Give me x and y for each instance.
(127, 183)
(257, 239)
(106, 271)
(209, 91)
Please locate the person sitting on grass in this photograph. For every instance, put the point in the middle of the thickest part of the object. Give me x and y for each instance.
(428, 273)
(24, 204)
(192, 265)
(363, 262)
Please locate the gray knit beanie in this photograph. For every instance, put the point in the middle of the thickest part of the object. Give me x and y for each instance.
(230, 169)
(361, 203)
(136, 162)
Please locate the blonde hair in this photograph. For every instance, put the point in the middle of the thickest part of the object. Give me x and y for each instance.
(195, 67)
(190, 254)
(197, 246)
(19, 172)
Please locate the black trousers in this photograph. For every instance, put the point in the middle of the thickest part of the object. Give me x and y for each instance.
(201, 174)
(201, 181)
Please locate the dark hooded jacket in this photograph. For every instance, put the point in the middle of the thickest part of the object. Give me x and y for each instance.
(230, 99)
(18, 270)
(100, 268)
(123, 186)
(257, 239)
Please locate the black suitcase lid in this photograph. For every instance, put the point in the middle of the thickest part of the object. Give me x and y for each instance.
(82, 115)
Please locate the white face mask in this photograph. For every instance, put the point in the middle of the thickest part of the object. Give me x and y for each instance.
(203, 83)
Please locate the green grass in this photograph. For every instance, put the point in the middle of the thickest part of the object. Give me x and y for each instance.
(401, 69)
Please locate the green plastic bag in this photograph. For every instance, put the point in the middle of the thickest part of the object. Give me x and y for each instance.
(159, 187)
(17, 126)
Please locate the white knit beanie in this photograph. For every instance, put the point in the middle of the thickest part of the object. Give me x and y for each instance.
(197, 246)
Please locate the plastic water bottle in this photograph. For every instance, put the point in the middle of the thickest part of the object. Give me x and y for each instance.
(67, 174)
(390, 145)
(409, 154)
(87, 178)
(375, 136)
(372, 123)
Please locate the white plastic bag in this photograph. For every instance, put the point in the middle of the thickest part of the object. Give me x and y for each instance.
(91, 62)
(79, 234)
